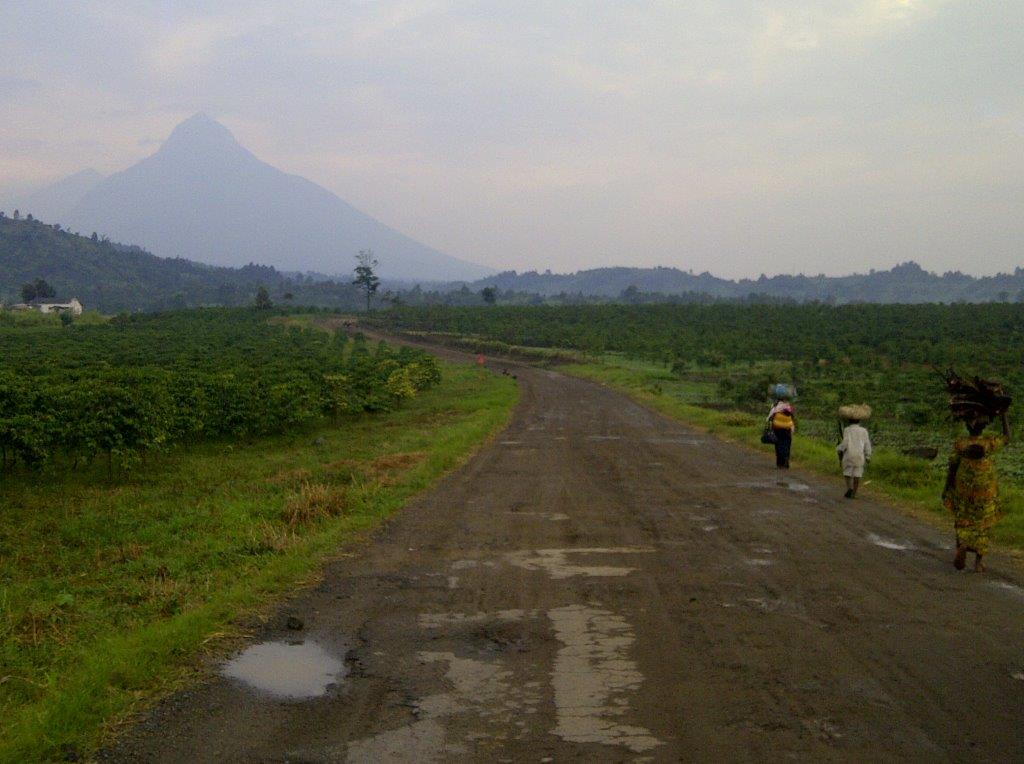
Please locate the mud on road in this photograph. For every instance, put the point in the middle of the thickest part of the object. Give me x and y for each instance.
(604, 584)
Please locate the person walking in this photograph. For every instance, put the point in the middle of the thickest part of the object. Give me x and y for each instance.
(855, 448)
(782, 423)
(971, 491)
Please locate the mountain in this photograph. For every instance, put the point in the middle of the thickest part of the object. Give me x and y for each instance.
(111, 277)
(204, 197)
(56, 200)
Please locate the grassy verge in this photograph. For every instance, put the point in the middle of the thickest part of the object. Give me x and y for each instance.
(108, 593)
(912, 482)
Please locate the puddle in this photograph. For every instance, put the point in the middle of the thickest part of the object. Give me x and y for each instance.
(297, 672)
(799, 487)
(555, 562)
(1006, 586)
(592, 677)
(758, 562)
(887, 544)
(604, 437)
(709, 528)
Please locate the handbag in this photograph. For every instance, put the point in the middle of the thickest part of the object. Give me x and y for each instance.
(768, 437)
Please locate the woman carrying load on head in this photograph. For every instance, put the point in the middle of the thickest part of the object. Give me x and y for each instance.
(855, 448)
(971, 491)
(782, 421)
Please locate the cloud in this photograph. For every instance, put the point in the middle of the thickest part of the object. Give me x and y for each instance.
(195, 43)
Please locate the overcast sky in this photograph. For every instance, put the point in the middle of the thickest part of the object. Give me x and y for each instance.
(735, 136)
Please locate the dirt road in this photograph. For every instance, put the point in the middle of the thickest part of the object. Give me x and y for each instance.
(603, 584)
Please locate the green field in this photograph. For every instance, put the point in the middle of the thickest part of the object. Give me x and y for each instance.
(712, 365)
(111, 585)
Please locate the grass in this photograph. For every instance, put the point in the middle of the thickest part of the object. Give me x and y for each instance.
(912, 482)
(108, 592)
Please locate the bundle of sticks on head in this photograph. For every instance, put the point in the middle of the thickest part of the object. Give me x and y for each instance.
(970, 398)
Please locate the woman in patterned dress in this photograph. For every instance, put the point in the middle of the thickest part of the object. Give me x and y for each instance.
(971, 483)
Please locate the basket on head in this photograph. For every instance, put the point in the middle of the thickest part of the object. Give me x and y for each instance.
(858, 411)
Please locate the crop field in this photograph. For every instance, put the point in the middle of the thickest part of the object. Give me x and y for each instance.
(716, 362)
(166, 476)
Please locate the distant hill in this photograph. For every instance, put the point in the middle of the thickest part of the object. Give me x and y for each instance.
(905, 283)
(204, 197)
(110, 277)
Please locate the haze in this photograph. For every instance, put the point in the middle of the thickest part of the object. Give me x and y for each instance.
(737, 137)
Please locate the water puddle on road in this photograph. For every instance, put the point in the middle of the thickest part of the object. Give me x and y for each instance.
(887, 544)
(294, 671)
(1009, 588)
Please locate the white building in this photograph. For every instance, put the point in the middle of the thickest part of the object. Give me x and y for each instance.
(74, 307)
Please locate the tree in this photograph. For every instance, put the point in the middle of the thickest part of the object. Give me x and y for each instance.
(366, 280)
(262, 301)
(489, 295)
(44, 290)
(28, 292)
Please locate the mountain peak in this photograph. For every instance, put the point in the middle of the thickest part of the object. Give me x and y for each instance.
(201, 134)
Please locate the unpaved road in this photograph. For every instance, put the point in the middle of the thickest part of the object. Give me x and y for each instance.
(603, 584)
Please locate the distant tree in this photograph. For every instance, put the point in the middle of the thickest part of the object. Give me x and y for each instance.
(489, 295)
(17, 215)
(37, 290)
(29, 217)
(66, 319)
(94, 237)
(366, 280)
(262, 301)
(1004, 296)
(288, 295)
(43, 289)
(630, 295)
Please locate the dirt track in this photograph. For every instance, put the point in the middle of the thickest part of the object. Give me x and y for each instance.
(603, 584)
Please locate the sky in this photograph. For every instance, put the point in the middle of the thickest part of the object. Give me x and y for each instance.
(736, 136)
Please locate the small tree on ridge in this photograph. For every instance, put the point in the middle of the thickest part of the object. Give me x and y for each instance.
(366, 279)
